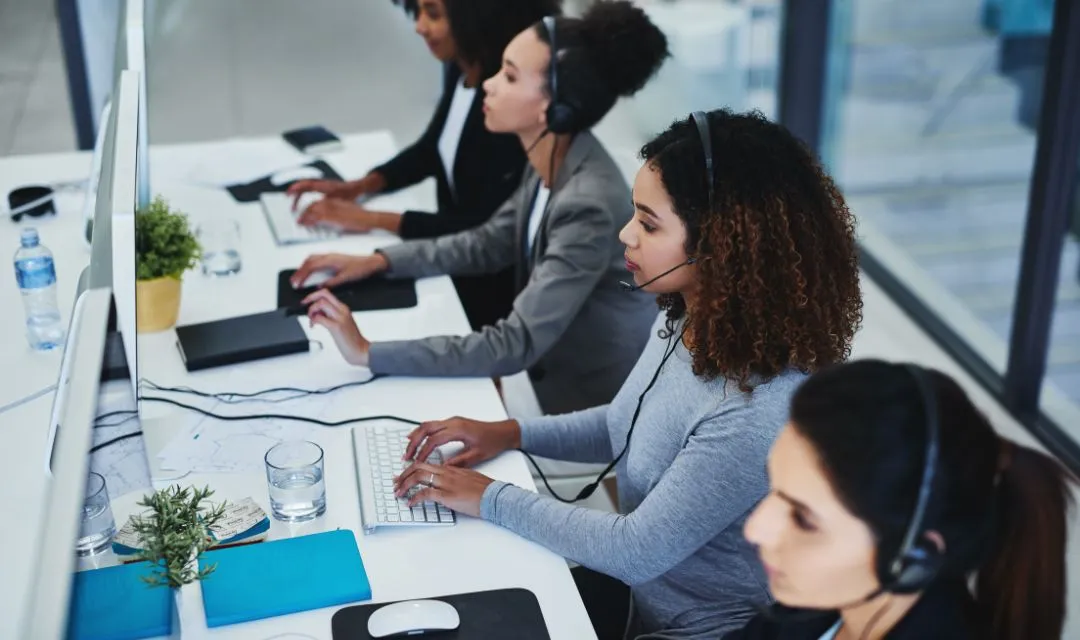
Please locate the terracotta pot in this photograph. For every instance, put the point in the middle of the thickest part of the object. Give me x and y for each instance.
(157, 304)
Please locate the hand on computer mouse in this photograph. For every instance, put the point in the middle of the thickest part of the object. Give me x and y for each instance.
(453, 487)
(345, 268)
(482, 440)
(325, 310)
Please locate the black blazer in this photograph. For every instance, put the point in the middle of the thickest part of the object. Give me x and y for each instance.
(944, 612)
(487, 169)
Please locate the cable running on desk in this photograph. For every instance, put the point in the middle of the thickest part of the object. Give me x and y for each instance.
(230, 397)
(273, 416)
(98, 447)
(265, 416)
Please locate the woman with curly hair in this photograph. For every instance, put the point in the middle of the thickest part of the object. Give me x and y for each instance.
(475, 169)
(752, 252)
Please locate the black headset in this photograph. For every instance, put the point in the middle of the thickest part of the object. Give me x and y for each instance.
(918, 560)
(702, 121)
(561, 114)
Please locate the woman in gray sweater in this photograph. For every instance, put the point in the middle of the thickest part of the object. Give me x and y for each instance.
(752, 252)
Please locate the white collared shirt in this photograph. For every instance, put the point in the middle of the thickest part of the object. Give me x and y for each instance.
(452, 128)
(536, 216)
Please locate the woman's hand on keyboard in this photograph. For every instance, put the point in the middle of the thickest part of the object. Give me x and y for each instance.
(348, 216)
(344, 268)
(482, 440)
(459, 489)
(351, 190)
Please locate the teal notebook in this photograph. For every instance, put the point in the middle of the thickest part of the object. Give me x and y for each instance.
(114, 604)
(284, 576)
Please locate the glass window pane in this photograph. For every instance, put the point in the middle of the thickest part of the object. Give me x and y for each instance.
(1061, 390)
(724, 53)
(930, 127)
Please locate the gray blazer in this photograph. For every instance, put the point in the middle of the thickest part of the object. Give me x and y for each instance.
(572, 327)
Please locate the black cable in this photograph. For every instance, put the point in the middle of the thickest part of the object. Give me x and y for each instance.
(127, 412)
(107, 425)
(272, 416)
(126, 436)
(588, 489)
(230, 397)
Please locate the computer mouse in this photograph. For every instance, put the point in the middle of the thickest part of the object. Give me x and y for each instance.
(413, 618)
(286, 176)
(316, 278)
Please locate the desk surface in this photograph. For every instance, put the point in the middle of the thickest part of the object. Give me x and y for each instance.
(402, 564)
(26, 370)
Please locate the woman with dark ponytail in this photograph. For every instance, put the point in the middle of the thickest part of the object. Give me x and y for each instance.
(475, 170)
(889, 492)
(572, 326)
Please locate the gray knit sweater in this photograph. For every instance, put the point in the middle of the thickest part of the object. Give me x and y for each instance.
(695, 469)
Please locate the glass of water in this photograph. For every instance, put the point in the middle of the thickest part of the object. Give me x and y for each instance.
(220, 242)
(294, 471)
(97, 527)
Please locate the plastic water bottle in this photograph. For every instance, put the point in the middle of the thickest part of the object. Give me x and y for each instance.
(36, 276)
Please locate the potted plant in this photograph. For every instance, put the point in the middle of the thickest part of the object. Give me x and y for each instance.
(173, 533)
(165, 247)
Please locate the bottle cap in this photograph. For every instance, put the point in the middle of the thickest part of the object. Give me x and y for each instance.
(29, 238)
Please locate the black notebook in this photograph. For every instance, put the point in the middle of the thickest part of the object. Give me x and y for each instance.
(371, 294)
(503, 613)
(241, 339)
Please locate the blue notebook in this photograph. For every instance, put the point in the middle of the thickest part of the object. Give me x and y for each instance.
(284, 576)
(114, 604)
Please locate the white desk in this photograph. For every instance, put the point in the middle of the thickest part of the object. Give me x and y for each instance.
(24, 428)
(402, 564)
(26, 370)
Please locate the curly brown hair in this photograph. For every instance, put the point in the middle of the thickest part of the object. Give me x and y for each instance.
(777, 267)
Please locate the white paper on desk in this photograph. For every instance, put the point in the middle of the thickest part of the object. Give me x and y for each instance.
(240, 162)
(123, 463)
(216, 446)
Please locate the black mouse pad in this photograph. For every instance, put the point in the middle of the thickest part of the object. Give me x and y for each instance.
(372, 294)
(503, 613)
(251, 191)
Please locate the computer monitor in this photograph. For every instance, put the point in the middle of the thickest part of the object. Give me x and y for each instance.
(50, 551)
(133, 36)
(121, 207)
(41, 555)
(90, 201)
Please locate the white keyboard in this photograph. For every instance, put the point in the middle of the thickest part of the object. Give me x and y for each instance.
(378, 459)
(282, 219)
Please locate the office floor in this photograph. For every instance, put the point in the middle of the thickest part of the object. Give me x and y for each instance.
(928, 147)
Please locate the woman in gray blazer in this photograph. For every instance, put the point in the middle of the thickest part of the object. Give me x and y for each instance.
(573, 326)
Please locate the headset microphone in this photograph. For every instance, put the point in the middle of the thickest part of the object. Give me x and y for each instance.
(626, 286)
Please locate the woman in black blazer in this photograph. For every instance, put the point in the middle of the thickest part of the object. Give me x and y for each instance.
(468, 36)
(890, 495)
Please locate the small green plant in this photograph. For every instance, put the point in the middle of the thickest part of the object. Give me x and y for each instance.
(165, 246)
(175, 533)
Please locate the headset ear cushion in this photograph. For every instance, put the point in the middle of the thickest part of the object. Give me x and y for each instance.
(560, 118)
(918, 569)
